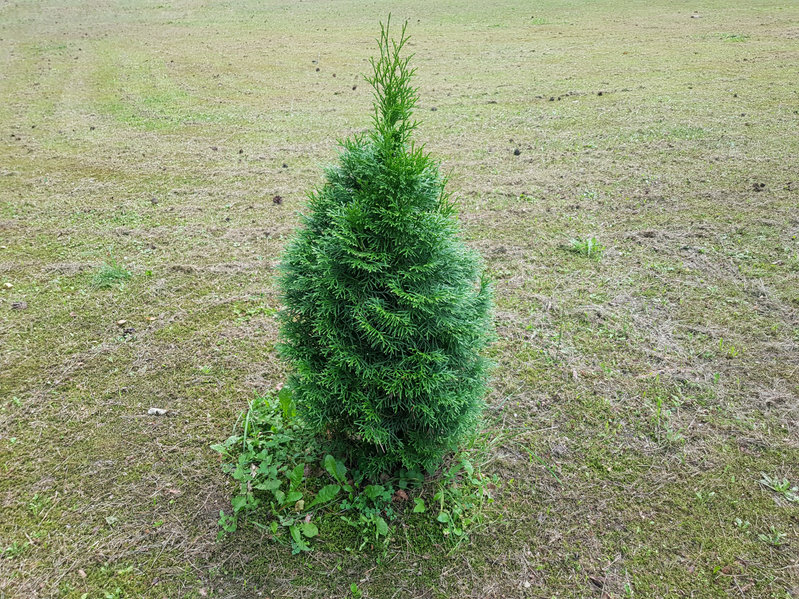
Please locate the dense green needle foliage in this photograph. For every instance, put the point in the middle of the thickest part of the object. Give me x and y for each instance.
(386, 311)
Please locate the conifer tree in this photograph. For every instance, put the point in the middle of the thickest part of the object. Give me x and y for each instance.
(385, 308)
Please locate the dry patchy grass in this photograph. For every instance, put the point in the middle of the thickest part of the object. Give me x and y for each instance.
(637, 398)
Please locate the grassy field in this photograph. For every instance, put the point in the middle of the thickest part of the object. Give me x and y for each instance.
(640, 395)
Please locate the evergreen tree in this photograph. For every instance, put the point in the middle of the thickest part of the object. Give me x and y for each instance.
(385, 309)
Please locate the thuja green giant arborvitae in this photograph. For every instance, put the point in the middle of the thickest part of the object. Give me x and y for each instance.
(385, 309)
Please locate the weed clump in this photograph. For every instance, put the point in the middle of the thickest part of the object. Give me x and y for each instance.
(293, 490)
(588, 247)
(386, 311)
(112, 274)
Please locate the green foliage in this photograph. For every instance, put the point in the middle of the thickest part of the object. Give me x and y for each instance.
(111, 274)
(773, 537)
(15, 550)
(780, 486)
(268, 460)
(289, 486)
(386, 311)
(588, 247)
(372, 508)
(245, 312)
(461, 498)
(733, 37)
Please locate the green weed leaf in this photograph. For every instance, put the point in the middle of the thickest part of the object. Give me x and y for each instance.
(239, 501)
(467, 465)
(293, 497)
(325, 494)
(309, 529)
(271, 484)
(382, 526)
(295, 478)
(373, 492)
(294, 530)
(341, 471)
(286, 403)
(329, 464)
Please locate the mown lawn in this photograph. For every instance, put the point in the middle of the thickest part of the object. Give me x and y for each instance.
(639, 396)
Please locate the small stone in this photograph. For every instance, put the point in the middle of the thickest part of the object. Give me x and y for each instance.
(19, 306)
(156, 412)
(121, 323)
(8, 286)
(516, 152)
